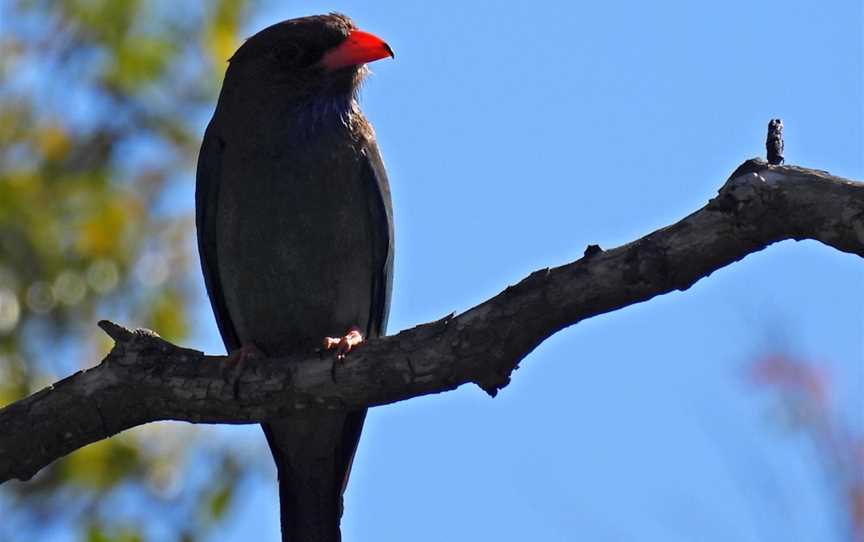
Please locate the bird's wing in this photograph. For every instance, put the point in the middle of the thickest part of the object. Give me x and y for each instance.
(381, 209)
(375, 181)
(206, 206)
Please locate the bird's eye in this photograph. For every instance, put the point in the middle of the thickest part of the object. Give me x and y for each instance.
(289, 54)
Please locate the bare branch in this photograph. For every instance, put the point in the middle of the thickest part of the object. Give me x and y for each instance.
(145, 378)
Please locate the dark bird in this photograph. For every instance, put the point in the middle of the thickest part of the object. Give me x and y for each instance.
(295, 234)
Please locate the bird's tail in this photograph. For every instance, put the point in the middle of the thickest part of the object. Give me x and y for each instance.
(313, 452)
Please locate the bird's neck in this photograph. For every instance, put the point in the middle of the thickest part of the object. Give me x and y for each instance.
(328, 113)
(325, 109)
(296, 122)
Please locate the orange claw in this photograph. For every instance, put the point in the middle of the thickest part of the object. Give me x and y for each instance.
(343, 345)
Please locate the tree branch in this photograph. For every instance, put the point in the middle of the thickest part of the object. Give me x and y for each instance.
(145, 378)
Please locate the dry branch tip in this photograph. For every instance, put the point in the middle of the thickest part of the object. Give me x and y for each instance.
(117, 332)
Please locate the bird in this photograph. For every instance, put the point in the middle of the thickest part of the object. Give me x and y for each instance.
(295, 234)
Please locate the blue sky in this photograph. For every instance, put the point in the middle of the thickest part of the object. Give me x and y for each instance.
(515, 134)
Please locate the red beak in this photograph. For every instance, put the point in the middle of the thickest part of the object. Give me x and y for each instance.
(358, 48)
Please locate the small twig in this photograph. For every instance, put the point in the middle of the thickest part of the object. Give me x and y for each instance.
(774, 142)
(117, 332)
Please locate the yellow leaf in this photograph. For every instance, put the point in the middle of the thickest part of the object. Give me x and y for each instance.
(53, 142)
(101, 235)
(102, 464)
(221, 37)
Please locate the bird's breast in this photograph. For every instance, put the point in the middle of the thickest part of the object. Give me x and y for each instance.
(294, 231)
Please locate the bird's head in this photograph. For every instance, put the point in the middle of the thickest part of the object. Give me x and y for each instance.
(321, 55)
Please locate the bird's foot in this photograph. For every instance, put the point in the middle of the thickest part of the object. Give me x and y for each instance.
(235, 363)
(343, 345)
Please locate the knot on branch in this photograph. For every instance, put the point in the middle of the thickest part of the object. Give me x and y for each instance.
(492, 382)
(748, 191)
(592, 250)
(646, 264)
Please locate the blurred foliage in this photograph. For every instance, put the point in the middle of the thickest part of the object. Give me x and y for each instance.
(808, 403)
(102, 106)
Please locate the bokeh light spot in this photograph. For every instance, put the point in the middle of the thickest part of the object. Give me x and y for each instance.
(40, 297)
(10, 310)
(69, 287)
(102, 276)
(153, 269)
